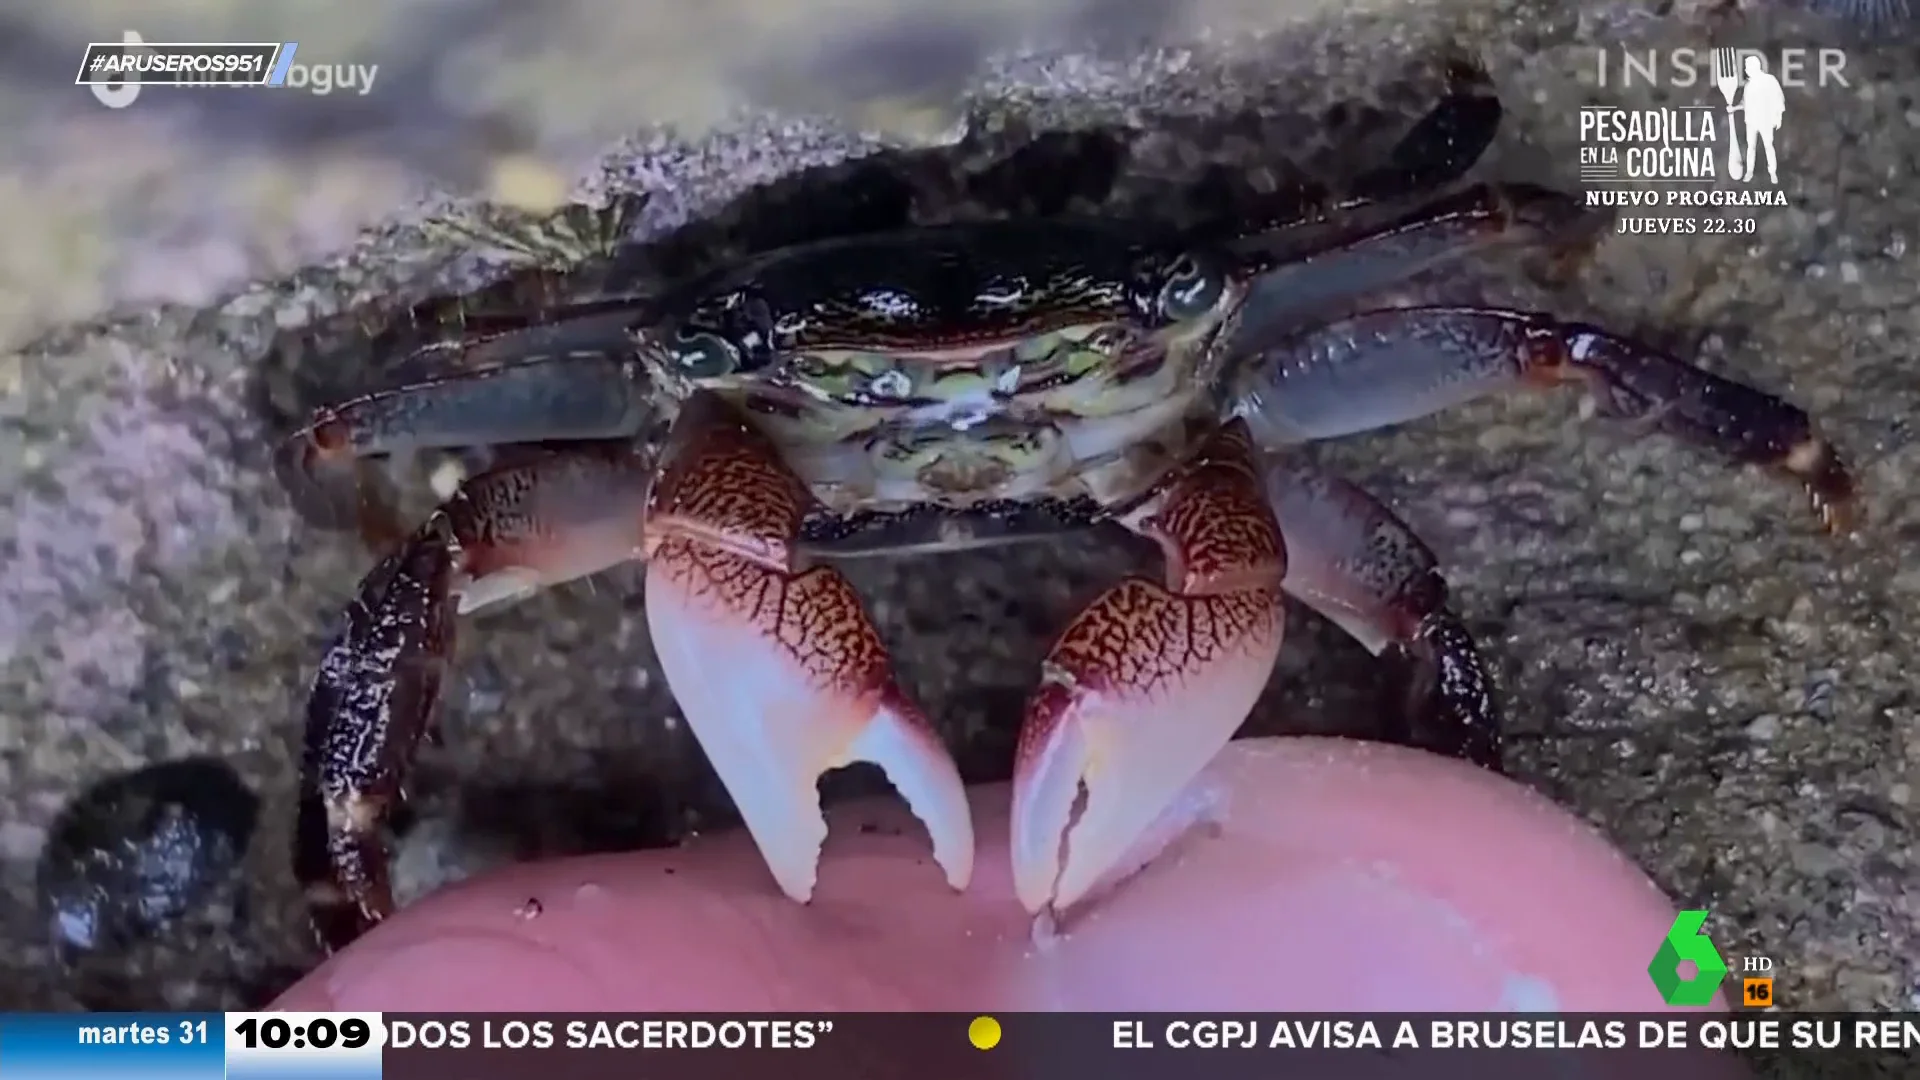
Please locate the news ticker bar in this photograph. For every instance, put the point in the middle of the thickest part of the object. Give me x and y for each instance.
(364, 1046)
(196, 63)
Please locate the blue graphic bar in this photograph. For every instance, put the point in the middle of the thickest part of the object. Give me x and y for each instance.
(109, 1046)
(280, 65)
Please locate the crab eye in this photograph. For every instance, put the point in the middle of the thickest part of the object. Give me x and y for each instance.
(704, 356)
(1192, 289)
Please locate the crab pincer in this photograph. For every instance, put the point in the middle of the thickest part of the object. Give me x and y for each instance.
(1144, 687)
(778, 667)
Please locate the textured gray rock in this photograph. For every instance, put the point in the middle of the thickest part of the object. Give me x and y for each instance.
(1687, 662)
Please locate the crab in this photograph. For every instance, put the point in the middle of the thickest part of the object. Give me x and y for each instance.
(944, 386)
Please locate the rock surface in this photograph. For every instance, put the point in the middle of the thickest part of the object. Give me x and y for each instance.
(1686, 660)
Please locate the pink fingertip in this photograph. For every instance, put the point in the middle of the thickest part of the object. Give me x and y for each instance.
(1331, 876)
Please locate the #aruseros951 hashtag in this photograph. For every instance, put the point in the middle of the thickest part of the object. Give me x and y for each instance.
(116, 71)
(178, 63)
(107, 68)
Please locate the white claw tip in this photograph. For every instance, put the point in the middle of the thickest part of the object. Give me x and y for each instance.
(920, 769)
(793, 853)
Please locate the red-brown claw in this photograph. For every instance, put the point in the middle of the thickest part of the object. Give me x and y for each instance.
(780, 672)
(1150, 681)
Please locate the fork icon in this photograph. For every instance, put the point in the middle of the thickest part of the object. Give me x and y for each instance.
(1726, 75)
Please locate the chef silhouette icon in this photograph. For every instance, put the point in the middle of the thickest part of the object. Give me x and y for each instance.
(1765, 106)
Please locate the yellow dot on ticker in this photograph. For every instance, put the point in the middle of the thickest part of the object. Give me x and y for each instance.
(984, 1033)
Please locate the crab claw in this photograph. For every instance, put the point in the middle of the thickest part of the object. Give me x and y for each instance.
(1149, 682)
(779, 671)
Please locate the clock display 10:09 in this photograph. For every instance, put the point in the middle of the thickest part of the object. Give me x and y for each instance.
(275, 1033)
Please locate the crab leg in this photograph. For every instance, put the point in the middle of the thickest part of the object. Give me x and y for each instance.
(778, 667)
(506, 534)
(564, 381)
(1352, 560)
(1387, 367)
(1146, 685)
(1335, 266)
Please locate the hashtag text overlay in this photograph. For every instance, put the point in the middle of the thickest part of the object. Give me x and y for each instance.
(179, 64)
